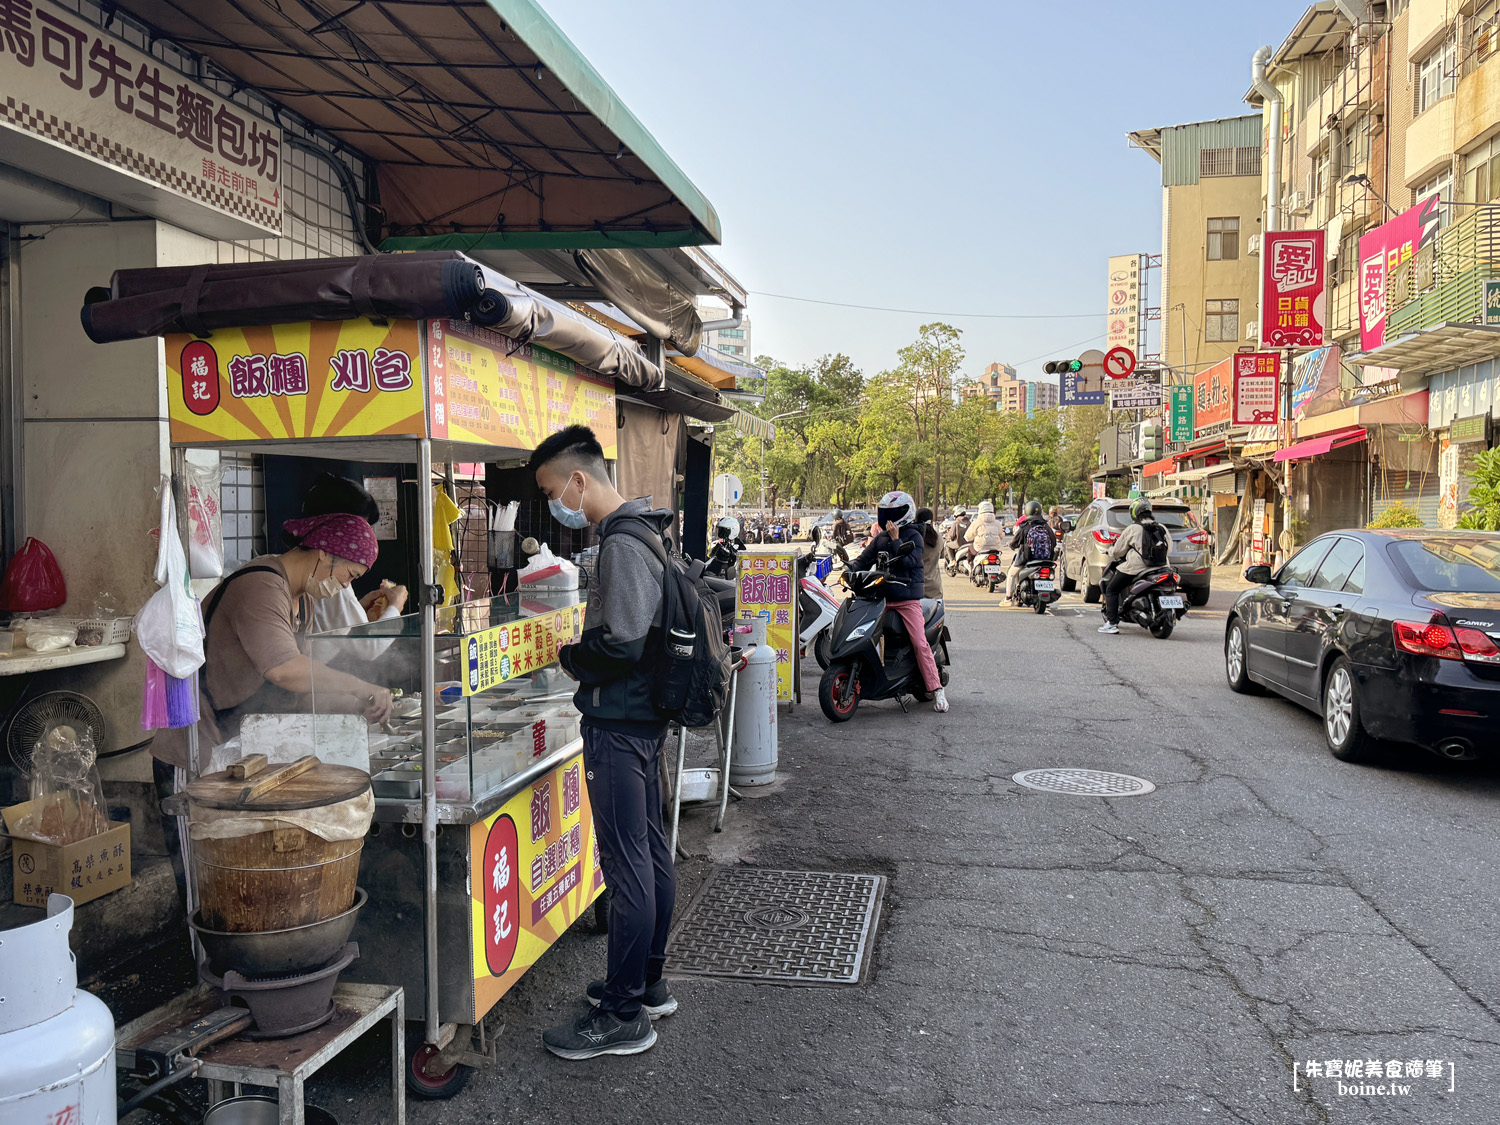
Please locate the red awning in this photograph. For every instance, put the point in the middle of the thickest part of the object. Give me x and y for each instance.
(1320, 445)
(1212, 447)
(1165, 465)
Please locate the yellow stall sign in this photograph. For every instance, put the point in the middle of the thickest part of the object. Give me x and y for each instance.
(318, 379)
(507, 651)
(533, 869)
(491, 390)
(768, 588)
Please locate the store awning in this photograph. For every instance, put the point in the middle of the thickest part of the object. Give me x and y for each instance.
(1395, 410)
(748, 423)
(481, 114)
(1319, 446)
(1156, 468)
(1214, 446)
(1443, 347)
(1199, 474)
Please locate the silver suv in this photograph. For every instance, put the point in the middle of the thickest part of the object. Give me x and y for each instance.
(1086, 547)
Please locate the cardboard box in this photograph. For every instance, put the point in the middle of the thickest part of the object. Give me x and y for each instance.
(83, 870)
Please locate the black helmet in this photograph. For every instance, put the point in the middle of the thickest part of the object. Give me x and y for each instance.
(1033, 508)
(1140, 509)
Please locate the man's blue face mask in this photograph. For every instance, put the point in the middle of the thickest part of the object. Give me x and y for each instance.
(568, 517)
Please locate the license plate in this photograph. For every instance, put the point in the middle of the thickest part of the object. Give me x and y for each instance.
(994, 570)
(1170, 602)
(1045, 586)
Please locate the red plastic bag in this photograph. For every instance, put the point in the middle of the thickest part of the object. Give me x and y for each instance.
(33, 580)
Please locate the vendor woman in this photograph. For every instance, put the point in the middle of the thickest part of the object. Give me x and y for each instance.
(257, 623)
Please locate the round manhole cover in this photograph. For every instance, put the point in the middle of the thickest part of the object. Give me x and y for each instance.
(777, 917)
(1084, 783)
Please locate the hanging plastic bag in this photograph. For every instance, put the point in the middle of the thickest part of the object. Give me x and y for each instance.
(33, 580)
(169, 626)
(205, 521)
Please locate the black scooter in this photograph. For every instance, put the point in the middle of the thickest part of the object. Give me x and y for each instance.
(1154, 601)
(1036, 585)
(856, 670)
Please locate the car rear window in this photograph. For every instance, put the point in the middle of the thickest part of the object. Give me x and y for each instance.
(1174, 519)
(1450, 566)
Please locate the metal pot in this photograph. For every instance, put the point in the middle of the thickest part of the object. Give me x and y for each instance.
(278, 953)
(257, 1109)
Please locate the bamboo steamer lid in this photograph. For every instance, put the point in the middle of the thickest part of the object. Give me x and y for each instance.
(299, 786)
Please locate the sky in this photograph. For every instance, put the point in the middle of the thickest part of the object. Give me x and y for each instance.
(946, 157)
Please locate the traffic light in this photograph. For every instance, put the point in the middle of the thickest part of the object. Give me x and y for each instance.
(1151, 446)
(1062, 366)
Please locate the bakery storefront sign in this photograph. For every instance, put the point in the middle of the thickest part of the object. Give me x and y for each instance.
(83, 107)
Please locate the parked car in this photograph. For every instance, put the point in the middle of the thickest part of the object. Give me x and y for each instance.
(1086, 547)
(1389, 635)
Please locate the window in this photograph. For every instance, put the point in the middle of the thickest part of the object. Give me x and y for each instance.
(1354, 149)
(1436, 77)
(1223, 240)
(1355, 583)
(1244, 161)
(1481, 35)
(1299, 571)
(1441, 185)
(1339, 565)
(1448, 566)
(732, 333)
(1345, 265)
(1221, 322)
(1481, 179)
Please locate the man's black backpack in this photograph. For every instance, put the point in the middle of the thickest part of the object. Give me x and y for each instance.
(691, 681)
(1155, 543)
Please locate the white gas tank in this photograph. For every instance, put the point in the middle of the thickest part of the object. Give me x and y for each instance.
(57, 1044)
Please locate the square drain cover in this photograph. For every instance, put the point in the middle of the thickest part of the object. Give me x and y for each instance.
(788, 927)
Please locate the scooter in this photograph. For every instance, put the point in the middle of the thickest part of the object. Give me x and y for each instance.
(986, 570)
(1154, 601)
(724, 555)
(861, 631)
(958, 560)
(1036, 586)
(817, 606)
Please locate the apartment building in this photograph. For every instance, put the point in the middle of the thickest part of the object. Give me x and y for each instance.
(1211, 207)
(731, 341)
(1010, 394)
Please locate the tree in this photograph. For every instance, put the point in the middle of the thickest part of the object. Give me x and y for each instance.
(1023, 458)
(1078, 453)
(923, 382)
(1485, 495)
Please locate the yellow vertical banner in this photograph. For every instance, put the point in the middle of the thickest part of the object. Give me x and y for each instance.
(767, 588)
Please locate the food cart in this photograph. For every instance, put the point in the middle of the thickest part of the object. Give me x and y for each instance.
(482, 831)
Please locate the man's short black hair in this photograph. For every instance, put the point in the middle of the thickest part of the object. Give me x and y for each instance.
(573, 448)
(332, 495)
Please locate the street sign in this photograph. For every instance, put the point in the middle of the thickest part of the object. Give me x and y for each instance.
(727, 489)
(1182, 414)
(1133, 394)
(1257, 389)
(1492, 302)
(1084, 387)
(1294, 305)
(1119, 362)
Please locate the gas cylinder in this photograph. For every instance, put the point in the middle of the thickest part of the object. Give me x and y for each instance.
(57, 1043)
(754, 759)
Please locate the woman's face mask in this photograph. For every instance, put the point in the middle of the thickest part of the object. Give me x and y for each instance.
(322, 588)
(569, 517)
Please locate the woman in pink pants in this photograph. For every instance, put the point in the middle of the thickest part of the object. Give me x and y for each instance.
(896, 517)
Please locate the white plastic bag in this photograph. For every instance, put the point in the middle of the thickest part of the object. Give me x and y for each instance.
(205, 520)
(169, 626)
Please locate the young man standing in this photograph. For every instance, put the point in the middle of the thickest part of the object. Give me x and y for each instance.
(613, 662)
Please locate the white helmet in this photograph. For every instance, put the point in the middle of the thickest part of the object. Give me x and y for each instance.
(987, 506)
(898, 506)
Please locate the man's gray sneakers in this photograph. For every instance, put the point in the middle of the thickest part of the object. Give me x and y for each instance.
(657, 1002)
(600, 1033)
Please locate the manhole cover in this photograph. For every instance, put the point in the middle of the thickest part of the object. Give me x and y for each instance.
(790, 927)
(1084, 783)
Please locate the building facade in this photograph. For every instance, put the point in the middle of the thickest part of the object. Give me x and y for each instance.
(1010, 394)
(735, 342)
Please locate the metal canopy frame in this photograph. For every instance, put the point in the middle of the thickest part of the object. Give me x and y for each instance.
(483, 115)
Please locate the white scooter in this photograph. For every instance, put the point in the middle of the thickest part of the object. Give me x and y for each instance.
(817, 607)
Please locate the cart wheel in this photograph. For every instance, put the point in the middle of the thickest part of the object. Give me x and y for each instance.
(424, 1085)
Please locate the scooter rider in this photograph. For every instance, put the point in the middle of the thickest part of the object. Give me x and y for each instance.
(896, 517)
(958, 527)
(986, 533)
(932, 573)
(1131, 557)
(1020, 543)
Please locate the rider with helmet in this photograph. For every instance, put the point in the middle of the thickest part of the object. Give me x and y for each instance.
(1020, 542)
(986, 533)
(895, 520)
(1130, 557)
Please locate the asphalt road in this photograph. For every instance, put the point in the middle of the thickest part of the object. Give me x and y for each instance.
(1156, 959)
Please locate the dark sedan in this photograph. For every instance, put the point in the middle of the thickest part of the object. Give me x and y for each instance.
(1389, 635)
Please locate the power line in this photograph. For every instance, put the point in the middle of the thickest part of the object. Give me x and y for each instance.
(927, 312)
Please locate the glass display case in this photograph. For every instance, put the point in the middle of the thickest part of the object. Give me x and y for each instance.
(504, 709)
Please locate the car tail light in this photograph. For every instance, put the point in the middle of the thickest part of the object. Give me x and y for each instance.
(1105, 538)
(1198, 539)
(1478, 646)
(1430, 639)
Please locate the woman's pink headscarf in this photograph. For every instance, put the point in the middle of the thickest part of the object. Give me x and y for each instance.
(348, 537)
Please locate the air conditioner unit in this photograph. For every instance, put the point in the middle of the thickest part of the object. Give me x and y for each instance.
(1252, 246)
(1296, 203)
(1252, 330)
